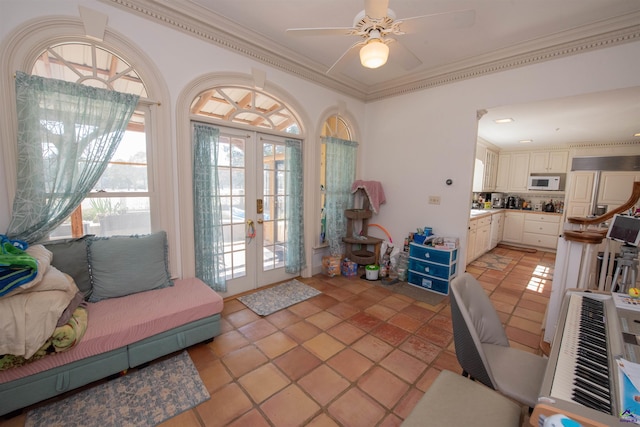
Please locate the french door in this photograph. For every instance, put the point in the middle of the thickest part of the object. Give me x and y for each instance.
(251, 171)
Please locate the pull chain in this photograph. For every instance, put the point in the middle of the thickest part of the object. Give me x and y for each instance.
(251, 230)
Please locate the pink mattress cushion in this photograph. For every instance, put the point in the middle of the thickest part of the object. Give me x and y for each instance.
(117, 322)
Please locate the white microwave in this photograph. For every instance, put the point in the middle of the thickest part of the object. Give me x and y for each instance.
(544, 183)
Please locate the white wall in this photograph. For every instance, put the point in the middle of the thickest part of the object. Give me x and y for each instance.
(412, 143)
(415, 142)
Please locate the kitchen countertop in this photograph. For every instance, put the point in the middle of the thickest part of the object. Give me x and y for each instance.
(477, 213)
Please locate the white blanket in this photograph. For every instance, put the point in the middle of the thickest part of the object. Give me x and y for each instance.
(28, 315)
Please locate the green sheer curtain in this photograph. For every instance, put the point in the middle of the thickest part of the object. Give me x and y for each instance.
(340, 174)
(67, 133)
(295, 259)
(207, 211)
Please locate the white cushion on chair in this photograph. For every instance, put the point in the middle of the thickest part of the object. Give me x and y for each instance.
(456, 401)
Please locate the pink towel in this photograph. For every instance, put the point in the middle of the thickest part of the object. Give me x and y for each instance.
(373, 190)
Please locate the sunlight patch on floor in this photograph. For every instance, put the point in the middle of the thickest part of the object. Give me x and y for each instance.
(541, 275)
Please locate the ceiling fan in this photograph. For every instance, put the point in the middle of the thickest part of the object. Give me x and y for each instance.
(376, 25)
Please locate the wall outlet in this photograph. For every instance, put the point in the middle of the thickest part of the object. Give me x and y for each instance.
(434, 200)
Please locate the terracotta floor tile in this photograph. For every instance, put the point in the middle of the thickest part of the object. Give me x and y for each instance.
(339, 294)
(324, 320)
(364, 321)
(323, 384)
(391, 420)
(526, 324)
(417, 312)
(263, 382)
(372, 347)
(304, 309)
(523, 337)
(438, 336)
(275, 344)
(396, 302)
(283, 318)
(346, 332)
(442, 321)
(447, 360)
(324, 301)
(356, 409)
(241, 361)
(214, 375)
(350, 364)
(231, 306)
(252, 418)
(383, 386)
(228, 342)
(242, 317)
(421, 349)
(380, 311)
(297, 363)
(343, 310)
(405, 322)
(302, 331)
(224, 406)
(323, 346)
(290, 407)
(390, 334)
(322, 420)
(403, 365)
(258, 329)
(408, 402)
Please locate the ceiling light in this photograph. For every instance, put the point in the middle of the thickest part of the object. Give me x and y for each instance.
(500, 121)
(525, 141)
(374, 54)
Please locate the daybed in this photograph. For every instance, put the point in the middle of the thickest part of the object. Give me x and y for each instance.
(136, 313)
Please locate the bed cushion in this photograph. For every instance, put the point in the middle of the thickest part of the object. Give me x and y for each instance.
(124, 265)
(70, 256)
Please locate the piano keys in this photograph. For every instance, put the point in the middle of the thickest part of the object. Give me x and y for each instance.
(582, 374)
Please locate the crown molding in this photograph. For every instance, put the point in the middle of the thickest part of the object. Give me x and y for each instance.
(192, 19)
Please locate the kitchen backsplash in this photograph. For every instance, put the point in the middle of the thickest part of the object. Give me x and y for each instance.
(534, 201)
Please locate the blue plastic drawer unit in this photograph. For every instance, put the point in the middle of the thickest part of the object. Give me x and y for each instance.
(431, 268)
(427, 282)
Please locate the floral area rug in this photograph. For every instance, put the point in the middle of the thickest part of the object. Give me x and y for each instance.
(278, 297)
(145, 397)
(492, 261)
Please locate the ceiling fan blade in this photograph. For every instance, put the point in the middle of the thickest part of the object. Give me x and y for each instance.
(376, 8)
(439, 21)
(343, 60)
(402, 55)
(334, 31)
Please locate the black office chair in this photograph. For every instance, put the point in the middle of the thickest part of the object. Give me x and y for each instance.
(482, 346)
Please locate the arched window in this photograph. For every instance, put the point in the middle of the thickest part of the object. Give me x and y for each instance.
(120, 201)
(246, 107)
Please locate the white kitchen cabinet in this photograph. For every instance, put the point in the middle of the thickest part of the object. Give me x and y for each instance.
(483, 236)
(497, 228)
(513, 172)
(502, 176)
(578, 201)
(471, 240)
(519, 172)
(541, 230)
(513, 226)
(615, 188)
(548, 161)
(485, 169)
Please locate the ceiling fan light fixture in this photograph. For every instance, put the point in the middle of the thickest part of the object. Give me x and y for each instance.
(374, 54)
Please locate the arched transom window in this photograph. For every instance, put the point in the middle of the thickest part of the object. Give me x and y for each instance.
(245, 106)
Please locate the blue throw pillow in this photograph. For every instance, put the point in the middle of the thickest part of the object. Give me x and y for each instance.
(124, 265)
(70, 256)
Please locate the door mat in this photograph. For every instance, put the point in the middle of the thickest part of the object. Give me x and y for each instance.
(278, 297)
(406, 289)
(145, 397)
(492, 261)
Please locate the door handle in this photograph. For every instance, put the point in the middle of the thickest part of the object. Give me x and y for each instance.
(259, 221)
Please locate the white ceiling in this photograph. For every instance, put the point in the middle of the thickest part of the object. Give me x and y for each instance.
(503, 31)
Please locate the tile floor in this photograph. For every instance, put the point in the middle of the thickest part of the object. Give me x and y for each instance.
(356, 355)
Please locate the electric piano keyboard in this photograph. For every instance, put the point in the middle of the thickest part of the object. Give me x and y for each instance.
(582, 375)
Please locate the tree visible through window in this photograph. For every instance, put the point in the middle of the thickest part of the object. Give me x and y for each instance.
(120, 201)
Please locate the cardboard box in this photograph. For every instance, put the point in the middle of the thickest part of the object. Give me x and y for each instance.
(331, 265)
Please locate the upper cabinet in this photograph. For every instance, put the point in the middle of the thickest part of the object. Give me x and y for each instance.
(548, 161)
(513, 172)
(615, 187)
(485, 170)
